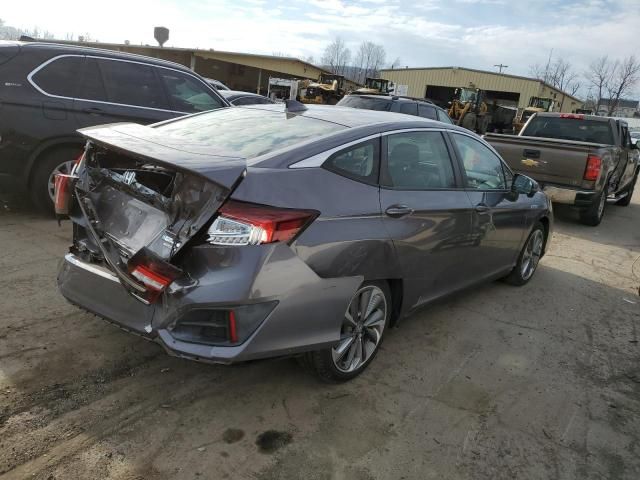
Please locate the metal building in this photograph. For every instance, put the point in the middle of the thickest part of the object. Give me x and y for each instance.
(438, 84)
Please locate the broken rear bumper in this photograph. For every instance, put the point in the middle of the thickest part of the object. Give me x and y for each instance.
(307, 314)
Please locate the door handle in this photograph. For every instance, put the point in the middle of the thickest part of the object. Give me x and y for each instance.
(397, 211)
(482, 209)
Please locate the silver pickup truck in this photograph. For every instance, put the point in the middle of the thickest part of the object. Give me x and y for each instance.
(581, 160)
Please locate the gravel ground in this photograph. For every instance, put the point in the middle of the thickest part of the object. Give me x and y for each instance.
(497, 382)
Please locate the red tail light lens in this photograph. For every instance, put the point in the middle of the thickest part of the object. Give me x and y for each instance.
(241, 223)
(152, 272)
(594, 165)
(62, 193)
(574, 116)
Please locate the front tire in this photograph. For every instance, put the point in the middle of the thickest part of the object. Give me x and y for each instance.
(528, 258)
(363, 326)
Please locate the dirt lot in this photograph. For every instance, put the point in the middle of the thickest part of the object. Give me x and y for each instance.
(498, 382)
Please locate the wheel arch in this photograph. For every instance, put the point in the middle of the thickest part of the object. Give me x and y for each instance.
(45, 148)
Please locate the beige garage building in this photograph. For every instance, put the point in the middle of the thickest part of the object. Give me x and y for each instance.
(439, 84)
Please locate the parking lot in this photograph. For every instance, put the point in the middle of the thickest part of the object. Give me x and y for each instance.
(497, 382)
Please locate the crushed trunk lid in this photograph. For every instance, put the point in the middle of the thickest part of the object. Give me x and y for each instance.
(139, 191)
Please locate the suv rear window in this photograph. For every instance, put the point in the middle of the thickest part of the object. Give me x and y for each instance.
(579, 130)
(60, 77)
(366, 103)
(248, 132)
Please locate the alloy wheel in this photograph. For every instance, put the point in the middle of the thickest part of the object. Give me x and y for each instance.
(64, 168)
(362, 328)
(531, 255)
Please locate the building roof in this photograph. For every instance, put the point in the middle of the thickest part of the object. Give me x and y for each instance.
(622, 103)
(518, 77)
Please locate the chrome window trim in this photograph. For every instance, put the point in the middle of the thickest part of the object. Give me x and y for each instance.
(51, 60)
(319, 159)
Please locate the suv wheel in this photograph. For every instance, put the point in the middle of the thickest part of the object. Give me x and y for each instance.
(592, 216)
(363, 326)
(60, 160)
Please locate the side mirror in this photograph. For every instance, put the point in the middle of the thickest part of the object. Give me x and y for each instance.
(525, 185)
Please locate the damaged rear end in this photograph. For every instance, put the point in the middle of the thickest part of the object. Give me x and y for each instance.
(136, 203)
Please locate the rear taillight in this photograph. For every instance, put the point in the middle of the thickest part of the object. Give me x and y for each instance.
(62, 193)
(574, 116)
(594, 165)
(152, 272)
(240, 223)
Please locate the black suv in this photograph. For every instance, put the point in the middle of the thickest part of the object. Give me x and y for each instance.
(410, 106)
(48, 91)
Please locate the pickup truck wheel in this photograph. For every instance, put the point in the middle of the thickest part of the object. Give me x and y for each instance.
(626, 200)
(528, 258)
(592, 216)
(60, 160)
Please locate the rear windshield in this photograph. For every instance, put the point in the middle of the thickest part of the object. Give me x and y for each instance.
(365, 103)
(247, 132)
(592, 131)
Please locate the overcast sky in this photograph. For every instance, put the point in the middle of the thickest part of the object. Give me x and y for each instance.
(471, 33)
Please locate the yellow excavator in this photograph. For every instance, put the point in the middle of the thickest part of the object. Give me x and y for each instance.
(376, 86)
(328, 90)
(469, 109)
(536, 105)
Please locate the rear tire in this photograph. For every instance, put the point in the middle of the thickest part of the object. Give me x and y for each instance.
(362, 330)
(528, 258)
(626, 200)
(592, 216)
(41, 186)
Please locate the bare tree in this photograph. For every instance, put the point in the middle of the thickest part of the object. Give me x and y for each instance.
(369, 59)
(599, 77)
(624, 77)
(559, 74)
(336, 56)
(8, 32)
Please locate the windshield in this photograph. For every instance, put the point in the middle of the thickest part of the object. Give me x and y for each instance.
(248, 132)
(580, 130)
(468, 95)
(377, 84)
(543, 103)
(365, 103)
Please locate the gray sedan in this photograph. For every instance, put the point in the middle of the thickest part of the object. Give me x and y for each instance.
(265, 231)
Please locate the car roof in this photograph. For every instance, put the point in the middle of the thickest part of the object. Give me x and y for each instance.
(238, 93)
(86, 50)
(393, 98)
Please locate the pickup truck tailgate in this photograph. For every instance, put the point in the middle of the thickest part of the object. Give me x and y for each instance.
(546, 160)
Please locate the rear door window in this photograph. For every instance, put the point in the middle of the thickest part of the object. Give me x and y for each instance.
(443, 117)
(427, 111)
(409, 108)
(359, 162)
(186, 93)
(130, 83)
(92, 86)
(60, 77)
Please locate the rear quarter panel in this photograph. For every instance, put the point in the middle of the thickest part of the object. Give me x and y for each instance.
(347, 239)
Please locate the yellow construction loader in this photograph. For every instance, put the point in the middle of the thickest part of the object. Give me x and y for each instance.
(328, 90)
(376, 86)
(536, 105)
(469, 109)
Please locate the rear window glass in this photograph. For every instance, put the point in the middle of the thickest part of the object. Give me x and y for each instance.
(592, 131)
(60, 77)
(248, 132)
(365, 103)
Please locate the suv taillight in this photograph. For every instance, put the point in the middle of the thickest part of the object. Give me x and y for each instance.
(594, 165)
(241, 223)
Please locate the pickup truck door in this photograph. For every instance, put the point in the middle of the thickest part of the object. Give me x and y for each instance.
(498, 222)
(628, 161)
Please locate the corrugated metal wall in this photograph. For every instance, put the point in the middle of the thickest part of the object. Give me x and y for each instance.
(418, 80)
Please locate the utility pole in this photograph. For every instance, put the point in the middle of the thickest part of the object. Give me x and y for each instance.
(501, 66)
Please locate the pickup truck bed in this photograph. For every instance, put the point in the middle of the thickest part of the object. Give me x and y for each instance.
(581, 160)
